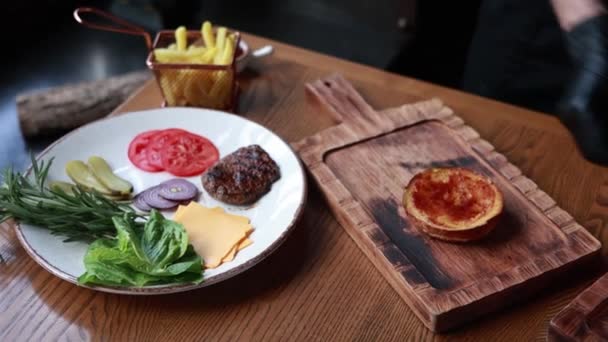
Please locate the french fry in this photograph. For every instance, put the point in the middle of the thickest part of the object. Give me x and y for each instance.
(193, 55)
(218, 49)
(228, 52)
(198, 87)
(174, 56)
(206, 83)
(207, 33)
(222, 97)
(177, 80)
(220, 41)
(165, 85)
(196, 51)
(191, 93)
(197, 95)
(181, 38)
(220, 86)
(166, 55)
(208, 56)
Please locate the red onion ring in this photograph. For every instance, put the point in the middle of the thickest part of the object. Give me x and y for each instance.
(140, 203)
(153, 199)
(178, 189)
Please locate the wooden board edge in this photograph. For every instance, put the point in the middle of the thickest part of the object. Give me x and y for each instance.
(571, 323)
(514, 294)
(313, 148)
(533, 270)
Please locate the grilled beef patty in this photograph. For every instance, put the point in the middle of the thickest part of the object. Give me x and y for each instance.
(241, 177)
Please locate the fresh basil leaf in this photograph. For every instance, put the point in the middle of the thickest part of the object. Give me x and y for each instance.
(163, 240)
(158, 255)
(128, 240)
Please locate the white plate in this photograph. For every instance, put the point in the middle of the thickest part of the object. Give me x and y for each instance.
(272, 217)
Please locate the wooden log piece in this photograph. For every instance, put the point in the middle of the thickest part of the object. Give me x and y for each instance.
(63, 108)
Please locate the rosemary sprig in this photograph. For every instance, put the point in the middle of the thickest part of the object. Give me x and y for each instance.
(82, 216)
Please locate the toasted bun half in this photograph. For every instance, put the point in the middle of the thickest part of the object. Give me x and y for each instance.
(453, 204)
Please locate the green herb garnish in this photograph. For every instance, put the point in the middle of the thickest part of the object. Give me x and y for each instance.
(81, 215)
(158, 255)
(125, 250)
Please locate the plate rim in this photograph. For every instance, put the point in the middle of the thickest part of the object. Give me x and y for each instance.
(169, 288)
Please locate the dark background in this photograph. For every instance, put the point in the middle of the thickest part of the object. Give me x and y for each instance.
(44, 47)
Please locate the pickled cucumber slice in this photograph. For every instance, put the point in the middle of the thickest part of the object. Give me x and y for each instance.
(66, 187)
(102, 171)
(81, 174)
(119, 198)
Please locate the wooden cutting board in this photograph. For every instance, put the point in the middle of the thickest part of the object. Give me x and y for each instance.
(362, 166)
(585, 318)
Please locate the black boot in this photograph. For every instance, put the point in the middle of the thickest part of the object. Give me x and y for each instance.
(584, 107)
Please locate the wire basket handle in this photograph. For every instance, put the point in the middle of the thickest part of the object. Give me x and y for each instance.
(120, 25)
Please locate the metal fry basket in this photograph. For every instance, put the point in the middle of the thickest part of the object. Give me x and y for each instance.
(199, 85)
(181, 84)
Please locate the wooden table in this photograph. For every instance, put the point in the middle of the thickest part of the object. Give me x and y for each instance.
(318, 285)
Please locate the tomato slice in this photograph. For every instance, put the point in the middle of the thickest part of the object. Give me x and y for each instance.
(188, 155)
(137, 151)
(157, 143)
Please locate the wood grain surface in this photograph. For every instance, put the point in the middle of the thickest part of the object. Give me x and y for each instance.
(362, 166)
(585, 318)
(318, 286)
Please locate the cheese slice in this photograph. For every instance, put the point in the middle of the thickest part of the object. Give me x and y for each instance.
(181, 208)
(230, 255)
(214, 234)
(178, 212)
(246, 242)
